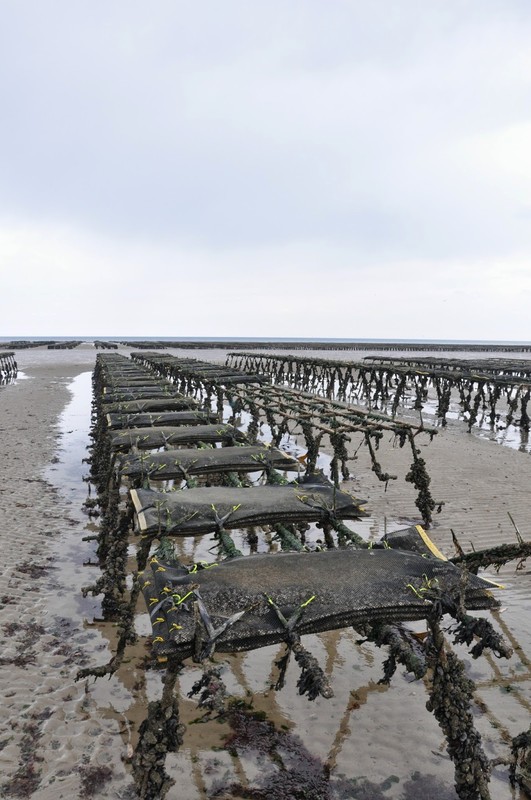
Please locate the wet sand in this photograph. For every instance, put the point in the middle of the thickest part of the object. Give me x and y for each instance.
(62, 739)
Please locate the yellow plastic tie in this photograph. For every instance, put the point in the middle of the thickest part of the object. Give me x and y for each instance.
(178, 599)
(307, 603)
(203, 565)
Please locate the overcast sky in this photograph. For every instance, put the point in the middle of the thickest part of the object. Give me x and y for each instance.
(328, 168)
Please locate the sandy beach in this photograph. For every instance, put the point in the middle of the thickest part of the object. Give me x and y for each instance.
(65, 739)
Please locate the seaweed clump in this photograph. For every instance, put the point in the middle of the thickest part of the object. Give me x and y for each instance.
(298, 774)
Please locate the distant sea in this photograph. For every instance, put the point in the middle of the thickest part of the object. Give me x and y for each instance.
(266, 339)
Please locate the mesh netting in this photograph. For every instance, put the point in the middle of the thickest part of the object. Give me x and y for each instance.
(207, 509)
(151, 405)
(414, 539)
(151, 438)
(138, 380)
(177, 463)
(235, 604)
(168, 418)
(139, 393)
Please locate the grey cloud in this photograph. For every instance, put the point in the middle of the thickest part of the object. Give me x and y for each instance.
(237, 124)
